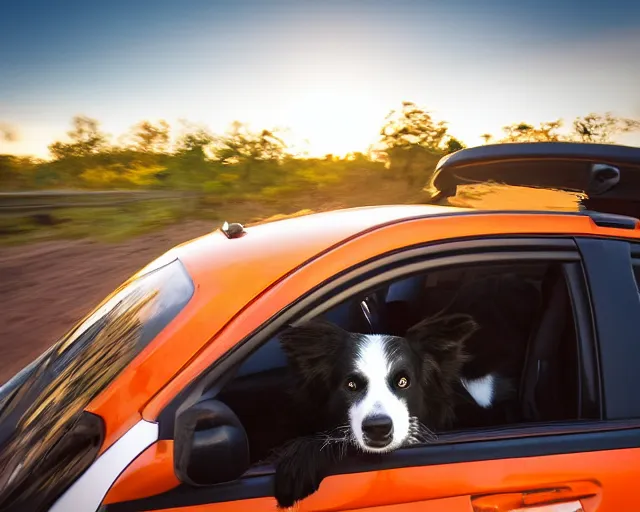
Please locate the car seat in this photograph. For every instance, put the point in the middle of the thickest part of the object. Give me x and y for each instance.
(548, 389)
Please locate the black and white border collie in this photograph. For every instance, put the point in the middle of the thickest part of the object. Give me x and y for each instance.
(372, 393)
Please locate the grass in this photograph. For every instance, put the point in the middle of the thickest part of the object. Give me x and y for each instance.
(105, 224)
(118, 223)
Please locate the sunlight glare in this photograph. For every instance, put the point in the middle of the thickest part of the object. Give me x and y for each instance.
(335, 121)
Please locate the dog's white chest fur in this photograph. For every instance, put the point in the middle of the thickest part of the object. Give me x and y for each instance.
(481, 390)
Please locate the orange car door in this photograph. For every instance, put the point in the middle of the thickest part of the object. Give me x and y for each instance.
(589, 465)
(600, 480)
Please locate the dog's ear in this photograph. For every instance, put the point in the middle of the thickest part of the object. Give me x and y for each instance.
(442, 337)
(311, 348)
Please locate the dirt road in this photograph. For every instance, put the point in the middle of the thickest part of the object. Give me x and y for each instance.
(46, 287)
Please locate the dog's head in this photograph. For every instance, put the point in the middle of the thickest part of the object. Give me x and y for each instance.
(377, 387)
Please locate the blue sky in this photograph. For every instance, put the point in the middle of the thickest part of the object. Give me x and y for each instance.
(328, 70)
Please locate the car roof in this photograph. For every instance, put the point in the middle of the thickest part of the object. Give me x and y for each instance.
(268, 251)
(281, 245)
(278, 247)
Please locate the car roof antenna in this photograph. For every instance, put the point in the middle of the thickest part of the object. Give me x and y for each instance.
(233, 230)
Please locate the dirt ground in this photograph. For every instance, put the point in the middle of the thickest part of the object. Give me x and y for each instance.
(45, 288)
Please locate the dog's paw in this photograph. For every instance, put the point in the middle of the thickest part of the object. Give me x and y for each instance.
(293, 486)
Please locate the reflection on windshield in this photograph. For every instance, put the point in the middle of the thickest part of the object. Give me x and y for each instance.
(46, 438)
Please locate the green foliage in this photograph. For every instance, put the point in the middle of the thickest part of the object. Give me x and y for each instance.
(600, 128)
(592, 128)
(136, 174)
(86, 139)
(452, 145)
(246, 163)
(16, 172)
(487, 137)
(412, 127)
(524, 132)
(195, 141)
(150, 138)
(242, 168)
(412, 142)
(240, 145)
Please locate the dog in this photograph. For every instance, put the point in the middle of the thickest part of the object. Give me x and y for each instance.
(370, 393)
(375, 393)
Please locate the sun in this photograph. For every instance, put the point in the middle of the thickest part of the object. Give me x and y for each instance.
(333, 121)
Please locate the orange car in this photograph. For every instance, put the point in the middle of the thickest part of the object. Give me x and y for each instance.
(170, 394)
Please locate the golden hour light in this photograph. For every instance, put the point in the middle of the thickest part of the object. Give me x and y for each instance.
(335, 121)
(319, 255)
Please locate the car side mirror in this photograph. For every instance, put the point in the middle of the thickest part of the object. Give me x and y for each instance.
(210, 445)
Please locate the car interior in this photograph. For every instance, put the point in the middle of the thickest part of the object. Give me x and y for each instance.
(258, 392)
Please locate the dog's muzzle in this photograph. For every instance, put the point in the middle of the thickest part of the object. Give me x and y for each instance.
(377, 431)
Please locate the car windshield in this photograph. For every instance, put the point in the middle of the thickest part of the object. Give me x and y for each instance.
(173, 288)
(45, 401)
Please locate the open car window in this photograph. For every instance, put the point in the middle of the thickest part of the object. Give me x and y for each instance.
(546, 371)
(44, 432)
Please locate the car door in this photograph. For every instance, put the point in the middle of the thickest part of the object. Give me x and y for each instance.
(589, 463)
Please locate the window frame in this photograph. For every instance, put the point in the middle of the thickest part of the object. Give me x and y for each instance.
(635, 263)
(369, 274)
(517, 441)
(616, 306)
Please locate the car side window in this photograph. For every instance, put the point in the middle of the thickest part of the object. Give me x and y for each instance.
(523, 366)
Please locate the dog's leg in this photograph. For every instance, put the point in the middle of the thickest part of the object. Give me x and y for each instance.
(301, 466)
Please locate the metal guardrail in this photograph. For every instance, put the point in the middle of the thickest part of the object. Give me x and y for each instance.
(45, 201)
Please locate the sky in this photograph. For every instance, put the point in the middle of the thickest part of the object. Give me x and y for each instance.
(328, 71)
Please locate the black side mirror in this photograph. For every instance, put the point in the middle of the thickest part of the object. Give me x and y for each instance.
(210, 445)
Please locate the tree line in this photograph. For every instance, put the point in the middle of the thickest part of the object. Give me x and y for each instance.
(244, 162)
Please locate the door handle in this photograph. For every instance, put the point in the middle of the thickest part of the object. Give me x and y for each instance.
(565, 497)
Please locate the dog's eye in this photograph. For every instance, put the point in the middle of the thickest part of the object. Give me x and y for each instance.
(402, 381)
(355, 383)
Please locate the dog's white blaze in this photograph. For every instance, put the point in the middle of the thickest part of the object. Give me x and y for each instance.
(373, 364)
(481, 389)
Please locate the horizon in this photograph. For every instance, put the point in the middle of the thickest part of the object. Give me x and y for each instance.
(327, 73)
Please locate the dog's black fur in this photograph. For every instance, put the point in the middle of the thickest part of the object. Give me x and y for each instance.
(434, 354)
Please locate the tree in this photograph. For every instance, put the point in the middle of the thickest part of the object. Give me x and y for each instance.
(452, 145)
(16, 172)
(195, 139)
(240, 144)
(413, 142)
(86, 139)
(602, 127)
(486, 137)
(524, 132)
(150, 138)
(412, 126)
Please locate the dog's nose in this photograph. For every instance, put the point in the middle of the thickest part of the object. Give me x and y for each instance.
(378, 429)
